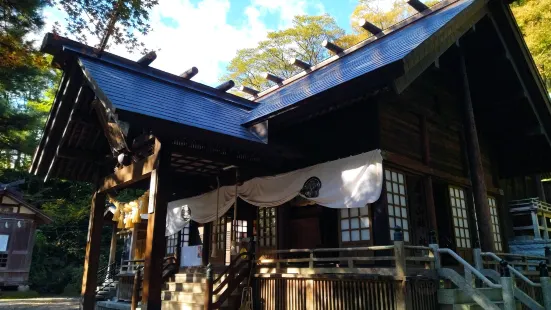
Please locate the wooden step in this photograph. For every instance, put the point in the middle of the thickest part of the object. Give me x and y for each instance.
(191, 298)
(174, 305)
(469, 306)
(188, 278)
(188, 287)
(456, 296)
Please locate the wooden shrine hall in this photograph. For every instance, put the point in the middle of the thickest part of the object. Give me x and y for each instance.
(450, 96)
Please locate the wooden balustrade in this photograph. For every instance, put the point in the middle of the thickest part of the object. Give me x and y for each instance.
(315, 292)
(342, 262)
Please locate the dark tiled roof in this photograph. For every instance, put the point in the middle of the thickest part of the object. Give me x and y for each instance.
(135, 92)
(379, 53)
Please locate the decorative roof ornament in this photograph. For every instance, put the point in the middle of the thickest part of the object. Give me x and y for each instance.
(271, 77)
(374, 30)
(147, 59)
(418, 5)
(332, 47)
(248, 90)
(189, 73)
(226, 86)
(299, 63)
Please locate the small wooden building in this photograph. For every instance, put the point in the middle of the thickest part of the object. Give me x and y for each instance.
(451, 97)
(18, 223)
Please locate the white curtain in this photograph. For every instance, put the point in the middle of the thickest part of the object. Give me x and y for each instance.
(350, 182)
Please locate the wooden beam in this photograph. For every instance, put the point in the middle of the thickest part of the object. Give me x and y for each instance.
(80, 155)
(475, 164)
(82, 95)
(374, 30)
(147, 59)
(226, 86)
(91, 260)
(133, 173)
(155, 245)
(59, 118)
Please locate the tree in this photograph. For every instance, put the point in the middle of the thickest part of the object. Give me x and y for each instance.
(303, 41)
(534, 20)
(24, 75)
(378, 13)
(118, 19)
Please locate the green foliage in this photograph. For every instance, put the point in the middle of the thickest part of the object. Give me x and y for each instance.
(95, 18)
(534, 20)
(303, 41)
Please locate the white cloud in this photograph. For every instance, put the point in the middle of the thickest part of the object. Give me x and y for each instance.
(203, 36)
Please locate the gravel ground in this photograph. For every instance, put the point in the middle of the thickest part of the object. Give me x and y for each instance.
(40, 304)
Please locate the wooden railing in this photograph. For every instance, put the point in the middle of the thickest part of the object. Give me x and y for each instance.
(220, 288)
(347, 278)
(317, 292)
(525, 269)
(130, 266)
(347, 260)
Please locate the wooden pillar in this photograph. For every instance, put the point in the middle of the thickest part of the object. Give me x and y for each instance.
(113, 248)
(155, 246)
(427, 180)
(91, 260)
(535, 225)
(134, 241)
(475, 164)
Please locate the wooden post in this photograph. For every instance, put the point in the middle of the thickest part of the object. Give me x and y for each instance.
(91, 260)
(134, 241)
(535, 224)
(136, 289)
(155, 246)
(208, 291)
(475, 164)
(113, 248)
(400, 262)
(309, 294)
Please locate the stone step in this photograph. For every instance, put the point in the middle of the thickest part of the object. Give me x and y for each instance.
(457, 296)
(469, 306)
(174, 305)
(188, 287)
(188, 278)
(191, 298)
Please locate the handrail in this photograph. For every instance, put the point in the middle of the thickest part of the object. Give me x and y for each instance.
(366, 248)
(512, 269)
(231, 265)
(469, 267)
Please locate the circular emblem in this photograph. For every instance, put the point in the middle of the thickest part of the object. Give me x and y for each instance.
(184, 212)
(311, 188)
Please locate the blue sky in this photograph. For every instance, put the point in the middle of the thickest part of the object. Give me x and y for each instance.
(207, 33)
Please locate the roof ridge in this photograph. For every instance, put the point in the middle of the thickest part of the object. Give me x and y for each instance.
(175, 80)
(386, 32)
(53, 44)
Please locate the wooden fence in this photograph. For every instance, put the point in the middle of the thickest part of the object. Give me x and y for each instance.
(342, 292)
